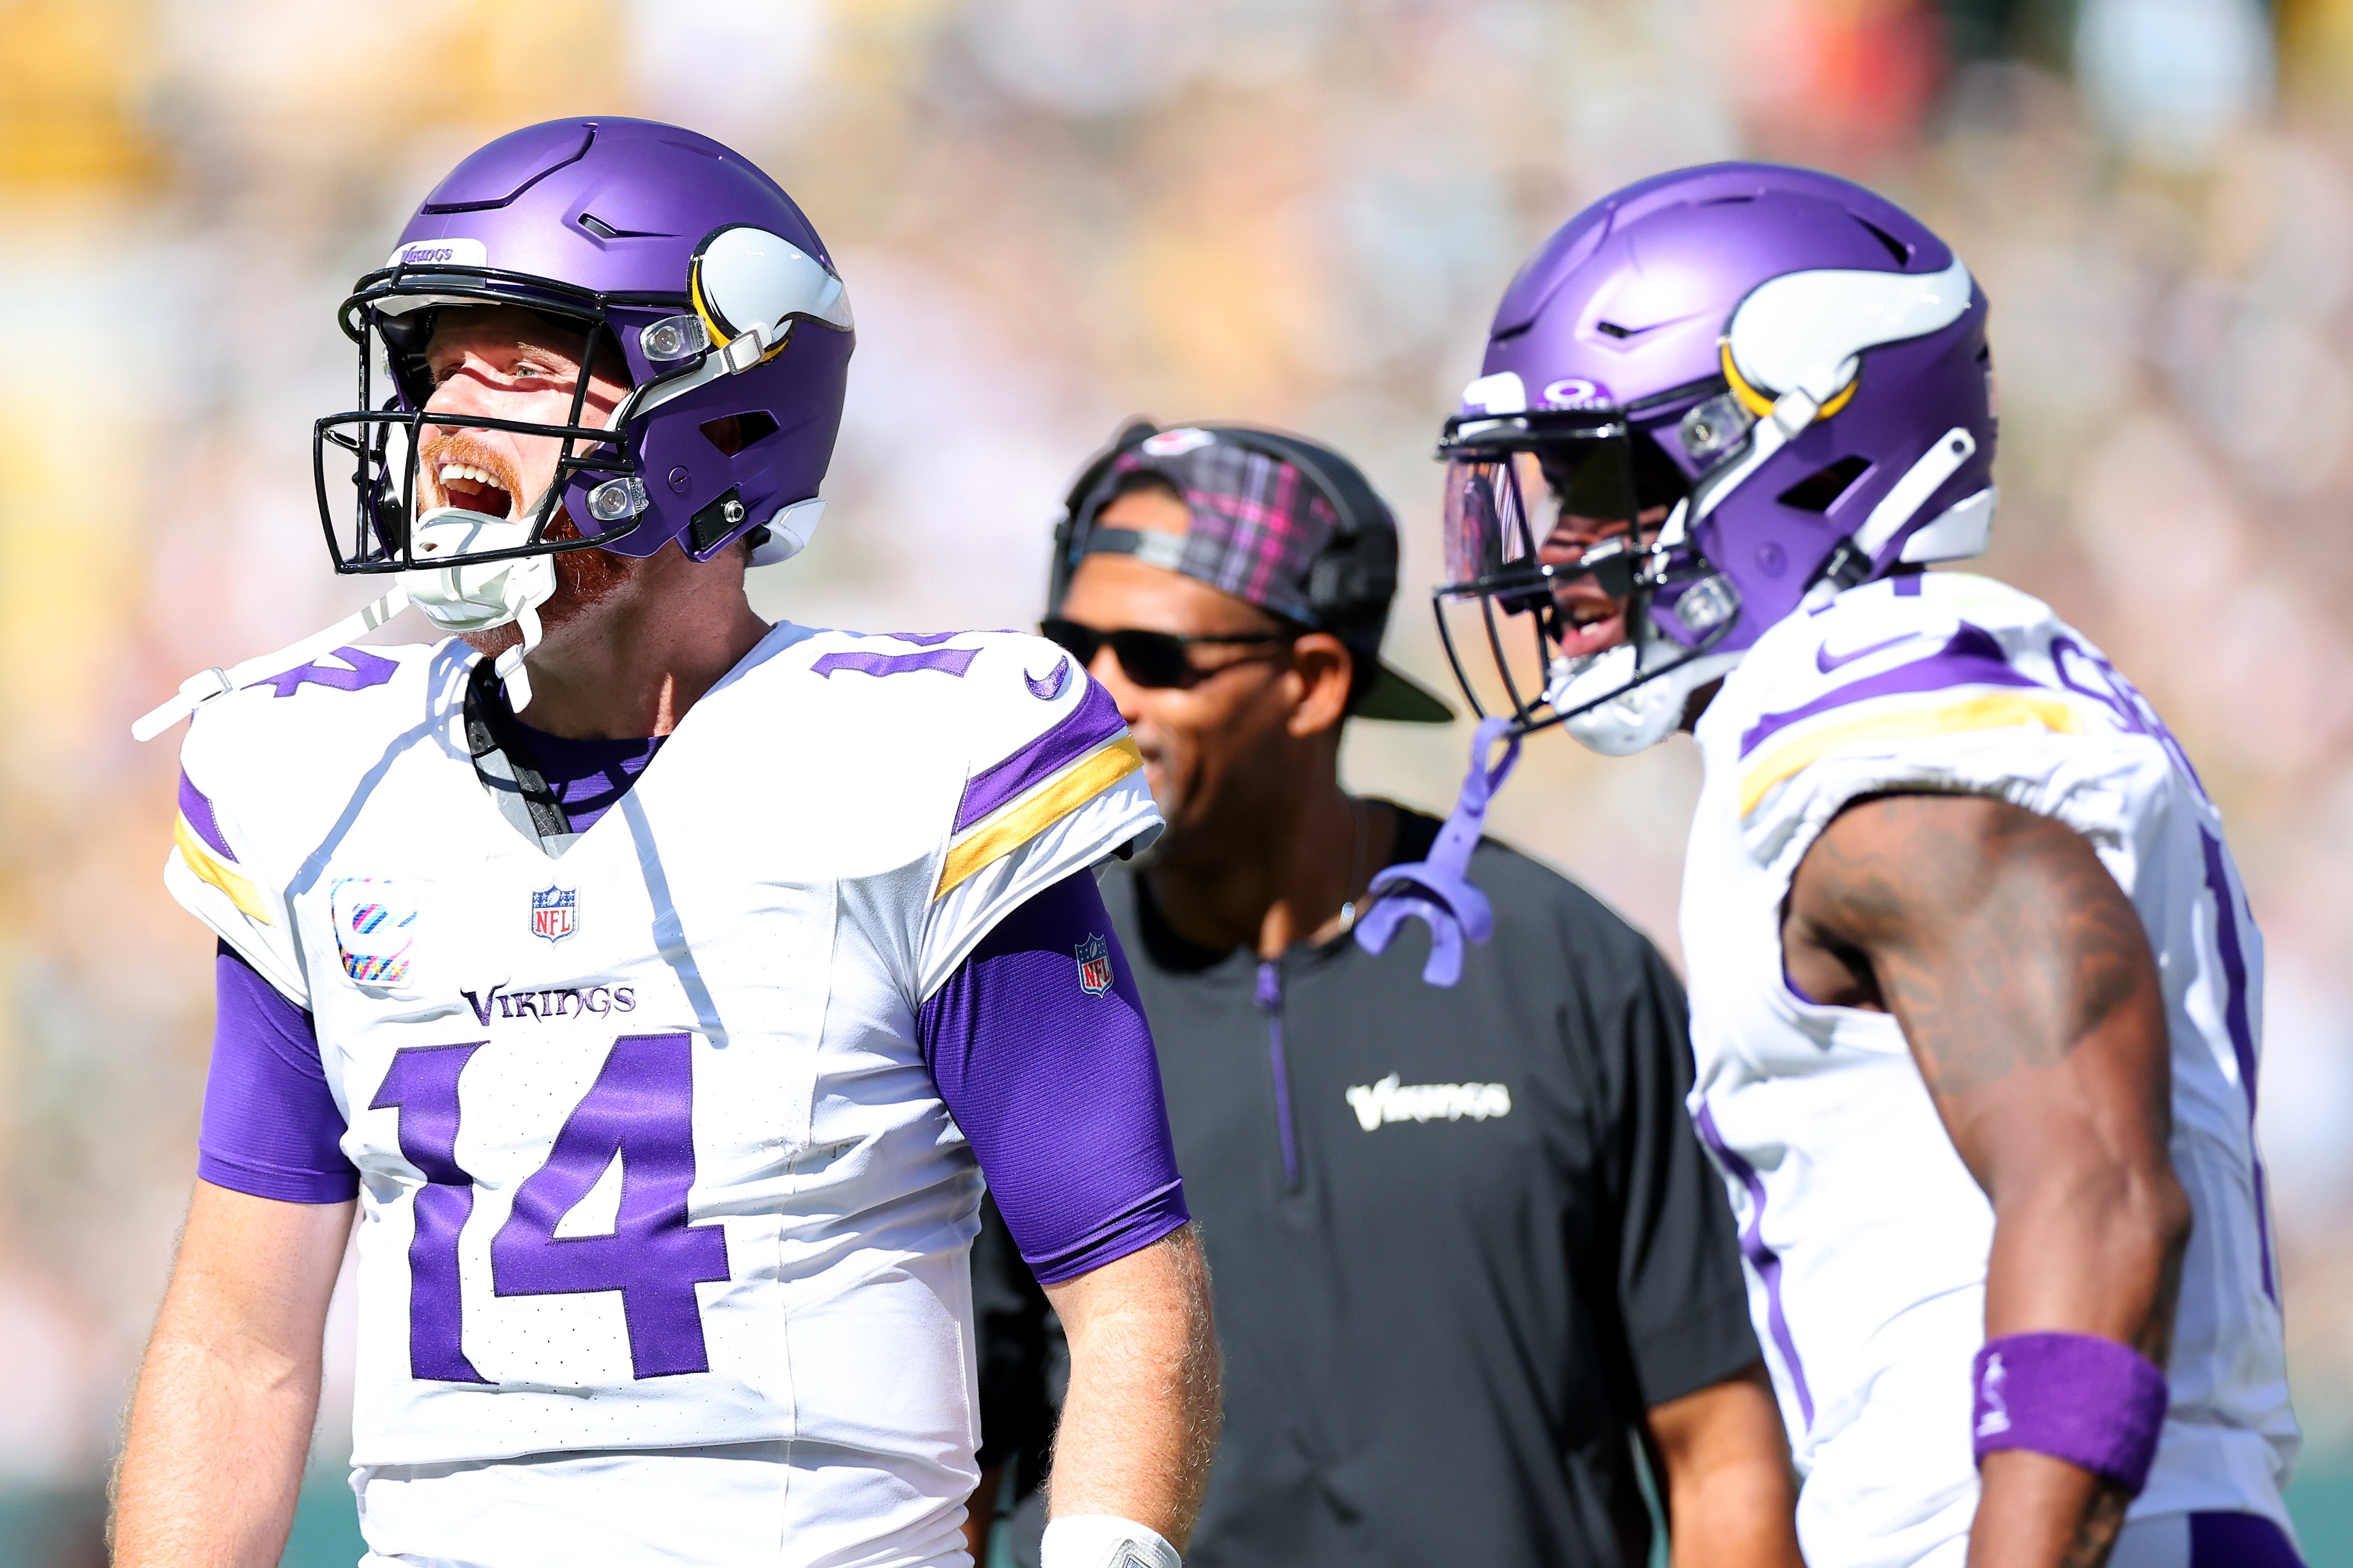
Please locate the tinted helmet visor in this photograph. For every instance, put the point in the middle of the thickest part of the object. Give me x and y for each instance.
(1551, 524)
(1519, 517)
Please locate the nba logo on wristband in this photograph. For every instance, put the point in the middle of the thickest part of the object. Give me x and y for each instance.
(2089, 1401)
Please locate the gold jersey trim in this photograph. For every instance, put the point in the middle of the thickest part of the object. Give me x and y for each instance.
(1017, 822)
(207, 867)
(1993, 710)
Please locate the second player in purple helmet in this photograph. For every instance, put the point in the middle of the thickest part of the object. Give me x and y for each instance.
(1976, 992)
(653, 985)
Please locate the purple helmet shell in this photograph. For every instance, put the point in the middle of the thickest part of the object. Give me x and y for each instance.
(611, 224)
(1628, 310)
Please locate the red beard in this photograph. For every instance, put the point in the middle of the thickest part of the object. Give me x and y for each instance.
(583, 578)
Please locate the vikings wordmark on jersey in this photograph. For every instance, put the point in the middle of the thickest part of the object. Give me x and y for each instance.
(1866, 1237)
(649, 1156)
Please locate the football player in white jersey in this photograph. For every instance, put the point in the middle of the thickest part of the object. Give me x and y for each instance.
(1976, 995)
(660, 983)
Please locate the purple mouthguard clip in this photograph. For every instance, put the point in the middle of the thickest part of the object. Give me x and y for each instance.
(1438, 891)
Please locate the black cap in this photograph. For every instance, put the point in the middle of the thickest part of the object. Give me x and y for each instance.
(1278, 521)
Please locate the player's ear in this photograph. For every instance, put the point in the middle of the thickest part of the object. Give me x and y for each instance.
(1324, 667)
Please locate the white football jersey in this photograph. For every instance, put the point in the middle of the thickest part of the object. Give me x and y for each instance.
(1866, 1238)
(649, 1155)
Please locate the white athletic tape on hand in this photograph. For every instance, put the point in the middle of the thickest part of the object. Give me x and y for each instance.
(1104, 1540)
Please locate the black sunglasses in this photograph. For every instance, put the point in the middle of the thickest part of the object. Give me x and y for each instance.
(1148, 658)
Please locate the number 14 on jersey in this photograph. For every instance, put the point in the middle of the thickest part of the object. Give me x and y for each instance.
(639, 1111)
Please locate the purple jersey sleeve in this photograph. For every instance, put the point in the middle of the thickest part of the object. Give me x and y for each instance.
(1039, 1047)
(270, 1128)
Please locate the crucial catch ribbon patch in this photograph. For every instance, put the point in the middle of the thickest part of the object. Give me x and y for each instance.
(376, 929)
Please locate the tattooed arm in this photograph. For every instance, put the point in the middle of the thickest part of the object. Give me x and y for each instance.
(2024, 983)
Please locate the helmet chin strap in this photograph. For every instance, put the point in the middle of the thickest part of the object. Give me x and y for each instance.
(201, 689)
(472, 597)
(511, 668)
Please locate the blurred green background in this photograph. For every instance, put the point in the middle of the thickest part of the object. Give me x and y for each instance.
(1053, 215)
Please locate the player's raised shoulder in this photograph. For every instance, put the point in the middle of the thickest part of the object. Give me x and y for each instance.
(287, 737)
(1037, 729)
(340, 694)
(1909, 636)
(265, 769)
(1052, 784)
(1830, 644)
(1000, 689)
(1025, 686)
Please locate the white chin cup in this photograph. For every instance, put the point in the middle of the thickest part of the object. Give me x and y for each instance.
(476, 597)
(1645, 710)
(1104, 1540)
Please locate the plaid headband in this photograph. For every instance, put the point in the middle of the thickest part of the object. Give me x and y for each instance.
(1258, 523)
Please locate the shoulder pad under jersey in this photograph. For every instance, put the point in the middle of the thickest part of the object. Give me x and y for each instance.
(1050, 782)
(267, 769)
(1936, 682)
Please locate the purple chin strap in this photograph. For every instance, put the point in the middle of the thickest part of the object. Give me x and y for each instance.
(1438, 891)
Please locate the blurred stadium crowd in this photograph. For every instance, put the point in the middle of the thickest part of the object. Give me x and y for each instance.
(1051, 215)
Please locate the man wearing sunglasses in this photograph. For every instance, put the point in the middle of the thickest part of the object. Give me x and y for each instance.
(1467, 1255)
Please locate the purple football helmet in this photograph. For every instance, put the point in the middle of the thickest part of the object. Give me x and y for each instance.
(656, 243)
(1768, 382)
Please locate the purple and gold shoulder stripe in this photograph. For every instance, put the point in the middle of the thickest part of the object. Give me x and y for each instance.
(1010, 803)
(1964, 685)
(202, 847)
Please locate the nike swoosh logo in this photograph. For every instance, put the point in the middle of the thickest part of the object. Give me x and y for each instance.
(1046, 689)
(1826, 661)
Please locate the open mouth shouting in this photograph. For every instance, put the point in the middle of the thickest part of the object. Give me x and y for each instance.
(1588, 607)
(1585, 621)
(475, 489)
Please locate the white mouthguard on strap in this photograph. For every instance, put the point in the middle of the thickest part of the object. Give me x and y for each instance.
(478, 596)
(470, 597)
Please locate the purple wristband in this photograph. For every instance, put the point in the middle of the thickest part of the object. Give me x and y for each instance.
(2089, 1401)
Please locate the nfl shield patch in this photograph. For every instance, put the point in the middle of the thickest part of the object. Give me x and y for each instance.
(553, 910)
(1094, 965)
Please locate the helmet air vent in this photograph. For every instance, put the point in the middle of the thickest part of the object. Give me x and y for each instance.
(734, 432)
(511, 165)
(1819, 490)
(604, 230)
(1896, 248)
(1612, 330)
